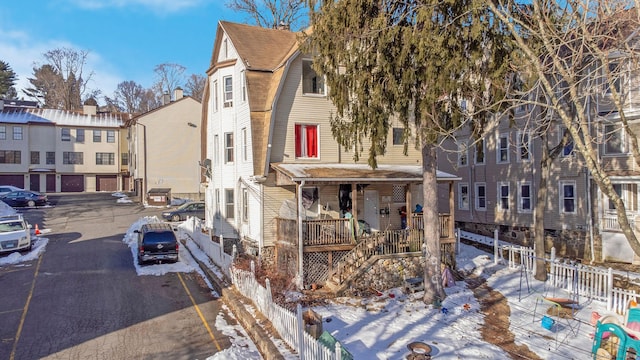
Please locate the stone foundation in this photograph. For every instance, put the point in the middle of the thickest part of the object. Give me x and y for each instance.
(387, 272)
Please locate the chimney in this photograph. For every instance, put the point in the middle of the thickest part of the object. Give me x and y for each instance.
(283, 26)
(89, 110)
(166, 98)
(178, 94)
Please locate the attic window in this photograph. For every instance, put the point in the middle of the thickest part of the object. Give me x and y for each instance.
(228, 91)
(312, 83)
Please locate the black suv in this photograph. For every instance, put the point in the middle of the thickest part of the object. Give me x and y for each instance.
(157, 242)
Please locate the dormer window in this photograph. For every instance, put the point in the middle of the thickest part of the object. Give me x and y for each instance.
(312, 83)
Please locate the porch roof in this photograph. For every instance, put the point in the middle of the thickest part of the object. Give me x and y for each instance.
(356, 173)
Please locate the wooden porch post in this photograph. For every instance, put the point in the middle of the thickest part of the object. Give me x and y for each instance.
(452, 212)
(354, 209)
(300, 240)
(407, 196)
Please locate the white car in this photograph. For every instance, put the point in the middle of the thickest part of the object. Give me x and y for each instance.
(15, 234)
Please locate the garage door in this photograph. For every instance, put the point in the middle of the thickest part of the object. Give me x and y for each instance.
(15, 180)
(72, 183)
(106, 183)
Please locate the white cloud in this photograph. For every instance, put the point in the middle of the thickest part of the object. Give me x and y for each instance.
(158, 6)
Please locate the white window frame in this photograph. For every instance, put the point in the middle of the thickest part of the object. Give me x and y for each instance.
(243, 85)
(500, 149)
(561, 197)
(463, 200)
(227, 82)
(17, 133)
(245, 205)
(244, 145)
(480, 143)
(216, 100)
(477, 198)
(228, 148)
(217, 205)
(321, 89)
(216, 149)
(608, 135)
(567, 150)
(111, 136)
(618, 81)
(463, 154)
(525, 148)
(3, 132)
(303, 141)
(521, 197)
(65, 134)
(503, 201)
(229, 203)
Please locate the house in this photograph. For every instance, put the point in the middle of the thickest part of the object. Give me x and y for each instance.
(278, 183)
(165, 150)
(52, 150)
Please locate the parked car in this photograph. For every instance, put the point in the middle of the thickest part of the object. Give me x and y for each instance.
(8, 188)
(193, 208)
(157, 242)
(15, 234)
(24, 198)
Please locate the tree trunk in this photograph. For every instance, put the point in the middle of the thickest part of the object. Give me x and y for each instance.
(433, 289)
(541, 202)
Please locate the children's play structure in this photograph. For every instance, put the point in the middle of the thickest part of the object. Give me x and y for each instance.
(615, 339)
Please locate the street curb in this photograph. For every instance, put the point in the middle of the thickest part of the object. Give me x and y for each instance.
(235, 302)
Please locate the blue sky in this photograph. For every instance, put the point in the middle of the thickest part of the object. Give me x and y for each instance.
(125, 39)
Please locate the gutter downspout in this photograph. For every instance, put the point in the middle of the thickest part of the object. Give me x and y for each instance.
(300, 243)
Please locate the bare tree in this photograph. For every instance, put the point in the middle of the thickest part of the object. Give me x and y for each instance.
(128, 97)
(272, 13)
(583, 52)
(168, 77)
(195, 86)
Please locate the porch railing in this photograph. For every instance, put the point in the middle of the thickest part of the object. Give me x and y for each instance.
(446, 228)
(610, 222)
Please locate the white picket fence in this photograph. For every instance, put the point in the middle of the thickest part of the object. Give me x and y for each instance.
(288, 324)
(577, 279)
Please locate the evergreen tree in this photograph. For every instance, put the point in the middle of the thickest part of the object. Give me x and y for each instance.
(416, 61)
(7, 81)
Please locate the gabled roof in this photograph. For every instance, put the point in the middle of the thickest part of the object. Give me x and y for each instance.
(134, 119)
(264, 53)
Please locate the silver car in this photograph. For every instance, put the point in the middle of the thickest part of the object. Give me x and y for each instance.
(15, 234)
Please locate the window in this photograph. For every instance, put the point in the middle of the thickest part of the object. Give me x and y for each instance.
(72, 158)
(228, 91)
(245, 205)
(65, 134)
(481, 196)
(80, 135)
(17, 133)
(244, 144)
(524, 196)
(568, 197)
(306, 138)
(228, 147)
(567, 150)
(225, 49)
(10, 157)
(97, 136)
(229, 207)
(503, 196)
(217, 200)
(312, 83)
(124, 159)
(463, 155)
(111, 136)
(502, 149)
(35, 157)
(215, 96)
(3, 132)
(629, 195)
(51, 158)
(524, 146)
(614, 78)
(397, 136)
(614, 141)
(243, 79)
(479, 158)
(105, 158)
(216, 149)
(463, 196)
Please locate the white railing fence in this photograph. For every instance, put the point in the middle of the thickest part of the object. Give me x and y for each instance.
(205, 242)
(288, 324)
(577, 279)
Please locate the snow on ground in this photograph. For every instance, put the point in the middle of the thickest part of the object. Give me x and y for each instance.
(39, 245)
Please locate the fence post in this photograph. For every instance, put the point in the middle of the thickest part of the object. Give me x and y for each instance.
(457, 241)
(495, 246)
(267, 299)
(221, 247)
(610, 289)
(253, 268)
(552, 263)
(300, 331)
(338, 351)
